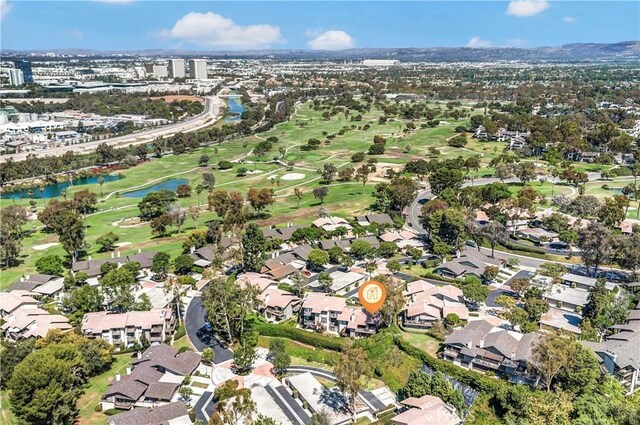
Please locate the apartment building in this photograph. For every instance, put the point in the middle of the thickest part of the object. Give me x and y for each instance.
(428, 303)
(124, 329)
(323, 312)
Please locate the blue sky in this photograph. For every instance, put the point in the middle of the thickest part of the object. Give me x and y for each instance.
(208, 25)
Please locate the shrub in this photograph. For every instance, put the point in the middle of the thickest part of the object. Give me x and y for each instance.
(299, 335)
(225, 165)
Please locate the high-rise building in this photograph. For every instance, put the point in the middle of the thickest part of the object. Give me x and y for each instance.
(25, 67)
(158, 71)
(176, 68)
(198, 69)
(16, 77)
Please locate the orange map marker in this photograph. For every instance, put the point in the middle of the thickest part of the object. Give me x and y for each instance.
(372, 295)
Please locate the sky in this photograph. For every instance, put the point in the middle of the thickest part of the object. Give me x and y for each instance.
(327, 25)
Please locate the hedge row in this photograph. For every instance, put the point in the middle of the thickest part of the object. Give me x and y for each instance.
(472, 379)
(300, 335)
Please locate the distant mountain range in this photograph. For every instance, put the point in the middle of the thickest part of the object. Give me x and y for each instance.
(578, 52)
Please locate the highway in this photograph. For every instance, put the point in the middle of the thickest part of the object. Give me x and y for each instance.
(212, 111)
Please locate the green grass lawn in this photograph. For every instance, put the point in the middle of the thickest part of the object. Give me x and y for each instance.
(6, 415)
(96, 387)
(423, 341)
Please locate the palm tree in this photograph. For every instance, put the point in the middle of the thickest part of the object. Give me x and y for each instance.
(299, 283)
(172, 286)
(101, 182)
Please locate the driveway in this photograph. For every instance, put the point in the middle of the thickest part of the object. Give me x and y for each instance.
(505, 288)
(199, 336)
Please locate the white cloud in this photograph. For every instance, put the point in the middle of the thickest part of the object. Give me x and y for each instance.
(213, 30)
(77, 34)
(568, 19)
(476, 42)
(5, 8)
(332, 40)
(524, 8)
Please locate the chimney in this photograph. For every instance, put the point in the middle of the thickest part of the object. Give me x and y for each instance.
(139, 250)
(457, 254)
(192, 249)
(89, 258)
(469, 343)
(118, 254)
(481, 345)
(27, 276)
(22, 279)
(266, 298)
(129, 370)
(139, 355)
(117, 377)
(113, 254)
(513, 356)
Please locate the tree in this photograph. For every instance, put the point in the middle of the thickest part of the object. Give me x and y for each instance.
(278, 355)
(204, 160)
(445, 175)
(495, 233)
(155, 204)
(551, 354)
(12, 218)
(394, 266)
(185, 392)
(82, 299)
(297, 192)
(160, 263)
(318, 258)
(84, 201)
(613, 211)
(12, 354)
(208, 181)
(117, 286)
(183, 264)
(475, 291)
(328, 172)
(178, 216)
(183, 191)
(254, 246)
(208, 355)
(159, 224)
(395, 300)
(244, 356)
(519, 284)
(320, 193)
(362, 250)
(101, 182)
(396, 195)
(350, 372)
(228, 305)
(387, 249)
(595, 244)
(490, 273)
(236, 412)
(107, 241)
(174, 286)
(143, 303)
(582, 374)
(50, 264)
(325, 280)
(260, 198)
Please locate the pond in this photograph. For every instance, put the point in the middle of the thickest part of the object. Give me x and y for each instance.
(171, 184)
(54, 190)
(618, 191)
(235, 108)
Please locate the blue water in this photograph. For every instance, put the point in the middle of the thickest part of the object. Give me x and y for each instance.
(235, 108)
(56, 189)
(171, 184)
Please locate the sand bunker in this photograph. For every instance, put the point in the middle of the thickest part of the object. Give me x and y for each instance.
(121, 244)
(45, 246)
(292, 176)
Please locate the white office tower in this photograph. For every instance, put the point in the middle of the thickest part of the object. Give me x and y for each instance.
(198, 69)
(176, 68)
(16, 77)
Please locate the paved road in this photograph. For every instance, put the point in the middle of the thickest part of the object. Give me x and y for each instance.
(368, 396)
(199, 336)
(204, 407)
(505, 288)
(205, 118)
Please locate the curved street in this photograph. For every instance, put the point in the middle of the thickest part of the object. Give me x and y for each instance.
(211, 113)
(200, 337)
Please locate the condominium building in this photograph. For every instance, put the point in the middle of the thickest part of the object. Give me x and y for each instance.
(16, 77)
(198, 69)
(176, 68)
(124, 329)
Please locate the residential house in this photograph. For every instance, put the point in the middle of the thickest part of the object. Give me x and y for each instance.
(556, 319)
(428, 303)
(330, 224)
(92, 267)
(343, 282)
(537, 235)
(34, 322)
(153, 380)
(323, 312)
(204, 256)
(469, 262)
(283, 234)
(484, 347)
(427, 409)
(566, 298)
(379, 219)
(40, 284)
(583, 282)
(276, 304)
(403, 238)
(619, 355)
(14, 300)
(175, 413)
(124, 329)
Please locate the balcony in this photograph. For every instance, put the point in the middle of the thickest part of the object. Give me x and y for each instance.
(122, 404)
(486, 363)
(274, 311)
(156, 329)
(450, 353)
(368, 331)
(418, 323)
(155, 337)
